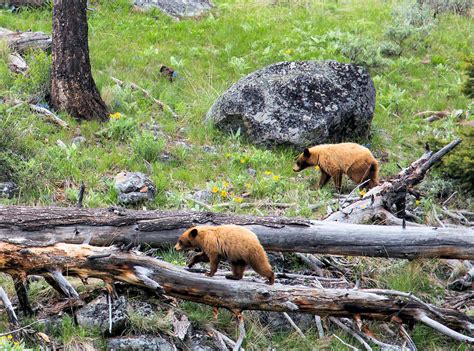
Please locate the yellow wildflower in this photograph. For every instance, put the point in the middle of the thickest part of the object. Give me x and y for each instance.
(9, 337)
(238, 199)
(248, 185)
(226, 184)
(227, 155)
(115, 115)
(417, 202)
(268, 172)
(276, 178)
(224, 193)
(215, 189)
(243, 160)
(288, 51)
(316, 168)
(362, 192)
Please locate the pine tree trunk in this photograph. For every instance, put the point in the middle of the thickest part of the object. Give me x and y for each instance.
(72, 86)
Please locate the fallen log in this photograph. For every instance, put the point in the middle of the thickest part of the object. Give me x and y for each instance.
(23, 41)
(102, 227)
(110, 265)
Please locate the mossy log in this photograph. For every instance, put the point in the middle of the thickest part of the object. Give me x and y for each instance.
(103, 227)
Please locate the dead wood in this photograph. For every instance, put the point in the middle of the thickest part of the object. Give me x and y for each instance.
(16, 63)
(23, 41)
(102, 227)
(109, 264)
(134, 86)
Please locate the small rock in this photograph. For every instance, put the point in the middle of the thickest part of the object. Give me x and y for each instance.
(134, 187)
(138, 343)
(183, 145)
(8, 189)
(252, 172)
(79, 140)
(96, 315)
(177, 8)
(203, 196)
(142, 308)
(165, 157)
(200, 342)
(209, 149)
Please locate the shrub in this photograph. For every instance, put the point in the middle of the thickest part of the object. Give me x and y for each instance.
(410, 22)
(459, 7)
(148, 147)
(468, 87)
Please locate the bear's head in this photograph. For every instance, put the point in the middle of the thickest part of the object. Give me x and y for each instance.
(187, 240)
(306, 159)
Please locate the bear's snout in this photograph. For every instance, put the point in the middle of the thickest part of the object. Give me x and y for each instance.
(178, 247)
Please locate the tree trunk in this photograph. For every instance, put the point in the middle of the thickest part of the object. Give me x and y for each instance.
(103, 227)
(72, 86)
(111, 265)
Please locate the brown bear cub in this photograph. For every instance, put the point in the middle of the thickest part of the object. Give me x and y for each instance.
(334, 160)
(236, 244)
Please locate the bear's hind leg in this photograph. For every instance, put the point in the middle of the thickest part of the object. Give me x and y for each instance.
(338, 181)
(201, 257)
(238, 269)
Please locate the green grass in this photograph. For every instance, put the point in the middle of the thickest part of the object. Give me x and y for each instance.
(414, 67)
(209, 55)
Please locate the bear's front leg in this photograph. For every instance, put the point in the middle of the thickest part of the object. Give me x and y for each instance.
(214, 262)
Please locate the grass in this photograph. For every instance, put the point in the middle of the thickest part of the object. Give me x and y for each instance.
(415, 65)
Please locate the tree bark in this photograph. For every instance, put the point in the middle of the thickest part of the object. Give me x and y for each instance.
(72, 86)
(102, 227)
(110, 265)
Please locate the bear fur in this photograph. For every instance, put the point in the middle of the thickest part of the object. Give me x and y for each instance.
(334, 160)
(237, 244)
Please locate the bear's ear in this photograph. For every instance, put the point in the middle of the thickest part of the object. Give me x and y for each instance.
(306, 153)
(193, 233)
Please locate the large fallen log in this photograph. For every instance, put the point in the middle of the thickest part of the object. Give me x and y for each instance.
(23, 41)
(102, 227)
(109, 264)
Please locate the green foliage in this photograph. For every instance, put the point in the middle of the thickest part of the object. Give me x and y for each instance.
(468, 87)
(159, 322)
(458, 165)
(34, 85)
(147, 146)
(413, 277)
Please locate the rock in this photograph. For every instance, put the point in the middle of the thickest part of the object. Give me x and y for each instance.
(252, 172)
(96, 315)
(277, 322)
(299, 104)
(8, 189)
(203, 196)
(199, 341)
(79, 140)
(165, 157)
(177, 8)
(142, 342)
(209, 149)
(134, 187)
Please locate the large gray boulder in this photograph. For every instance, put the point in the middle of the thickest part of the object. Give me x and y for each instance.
(299, 104)
(177, 8)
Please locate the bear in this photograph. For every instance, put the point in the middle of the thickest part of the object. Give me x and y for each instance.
(334, 160)
(237, 244)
